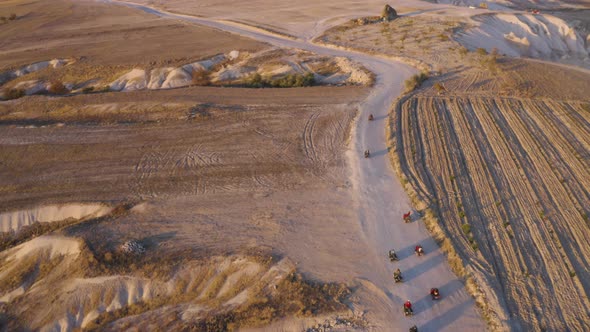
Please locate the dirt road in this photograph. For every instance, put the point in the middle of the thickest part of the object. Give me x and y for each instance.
(381, 202)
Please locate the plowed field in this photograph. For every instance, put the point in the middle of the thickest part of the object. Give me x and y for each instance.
(510, 179)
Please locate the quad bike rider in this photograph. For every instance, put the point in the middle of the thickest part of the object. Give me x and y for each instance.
(414, 328)
(371, 118)
(408, 311)
(397, 276)
(435, 293)
(393, 256)
(408, 217)
(367, 153)
(419, 250)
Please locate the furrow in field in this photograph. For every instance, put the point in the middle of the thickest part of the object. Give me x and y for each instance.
(548, 190)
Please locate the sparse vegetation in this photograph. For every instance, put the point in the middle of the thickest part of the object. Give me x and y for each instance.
(287, 81)
(57, 88)
(10, 94)
(88, 89)
(439, 87)
(466, 229)
(201, 78)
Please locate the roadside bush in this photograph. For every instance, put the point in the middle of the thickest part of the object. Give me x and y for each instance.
(57, 88)
(201, 78)
(13, 93)
(12, 17)
(88, 89)
(415, 81)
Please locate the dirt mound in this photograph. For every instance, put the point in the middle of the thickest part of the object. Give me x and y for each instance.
(14, 220)
(535, 36)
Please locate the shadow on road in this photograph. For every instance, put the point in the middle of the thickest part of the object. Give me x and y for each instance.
(440, 322)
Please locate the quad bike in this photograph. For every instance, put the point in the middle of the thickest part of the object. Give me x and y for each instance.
(371, 118)
(392, 256)
(435, 293)
(408, 217)
(419, 250)
(367, 154)
(408, 311)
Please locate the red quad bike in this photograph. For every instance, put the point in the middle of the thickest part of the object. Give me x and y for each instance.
(408, 217)
(419, 250)
(408, 311)
(435, 293)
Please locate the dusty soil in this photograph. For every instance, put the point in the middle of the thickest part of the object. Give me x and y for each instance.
(258, 187)
(105, 37)
(303, 19)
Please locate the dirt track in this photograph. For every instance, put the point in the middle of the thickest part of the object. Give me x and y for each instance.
(381, 202)
(516, 171)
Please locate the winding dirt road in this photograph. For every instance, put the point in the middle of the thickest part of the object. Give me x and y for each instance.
(381, 202)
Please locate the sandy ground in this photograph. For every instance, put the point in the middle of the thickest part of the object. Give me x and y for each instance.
(94, 32)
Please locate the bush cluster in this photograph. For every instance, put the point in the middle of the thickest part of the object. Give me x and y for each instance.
(288, 81)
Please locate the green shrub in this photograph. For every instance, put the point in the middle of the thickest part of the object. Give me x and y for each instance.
(287, 81)
(466, 228)
(294, 80)
(88, 89)
(12, 17)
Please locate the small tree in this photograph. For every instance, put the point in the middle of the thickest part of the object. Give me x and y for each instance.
(12, 17)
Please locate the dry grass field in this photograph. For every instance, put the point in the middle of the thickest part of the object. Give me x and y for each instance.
(508, 177)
